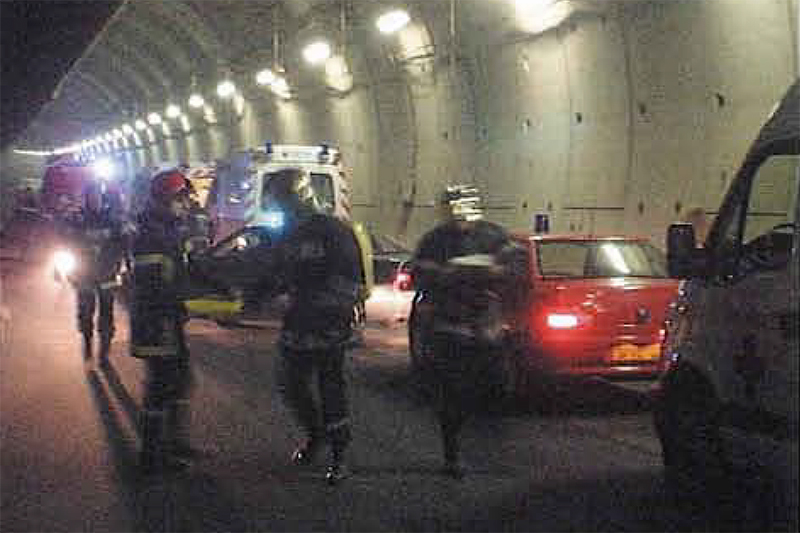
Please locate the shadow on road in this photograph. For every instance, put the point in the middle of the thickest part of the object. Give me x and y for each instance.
(191, 500)
(115, 385)
(589, 398)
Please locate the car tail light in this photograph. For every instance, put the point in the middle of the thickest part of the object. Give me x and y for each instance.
(403, 281)
(562, 320)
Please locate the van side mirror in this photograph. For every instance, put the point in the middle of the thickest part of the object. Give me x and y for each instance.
(684, 259)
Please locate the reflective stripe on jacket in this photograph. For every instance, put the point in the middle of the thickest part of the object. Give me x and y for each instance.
(159, 272)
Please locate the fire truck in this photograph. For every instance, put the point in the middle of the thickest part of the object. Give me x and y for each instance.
(62, 185)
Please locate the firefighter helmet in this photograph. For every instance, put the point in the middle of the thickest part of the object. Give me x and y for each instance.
(168, 184)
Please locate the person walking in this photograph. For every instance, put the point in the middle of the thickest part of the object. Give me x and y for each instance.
(157, 315)
(320, 266)
(95, 237)
(462, 269)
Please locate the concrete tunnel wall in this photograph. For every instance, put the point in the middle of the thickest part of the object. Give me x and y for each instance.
(618, 120)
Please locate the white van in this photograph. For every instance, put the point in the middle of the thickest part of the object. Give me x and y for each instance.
(726, 409)
(237, 200)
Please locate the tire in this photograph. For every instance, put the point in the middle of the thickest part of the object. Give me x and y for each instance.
(687, 426)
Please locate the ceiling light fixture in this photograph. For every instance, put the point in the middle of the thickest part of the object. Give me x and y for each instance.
(281, 87)
(196, 101)
(173, 111)
(226, 89)
(265, 77)
(393, 21)
(317, 52)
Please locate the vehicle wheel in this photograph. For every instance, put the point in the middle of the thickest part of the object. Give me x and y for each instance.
(686, 421)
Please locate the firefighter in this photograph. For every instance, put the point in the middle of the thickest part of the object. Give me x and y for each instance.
(462, 270)
(96, 238)
(320, 265)
(159, 283)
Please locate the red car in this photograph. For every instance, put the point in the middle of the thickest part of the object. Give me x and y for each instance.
(594, 306)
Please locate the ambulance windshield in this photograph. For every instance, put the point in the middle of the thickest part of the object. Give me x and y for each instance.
(321, 184)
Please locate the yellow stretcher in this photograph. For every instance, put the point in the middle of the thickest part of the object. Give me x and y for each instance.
(213, 307)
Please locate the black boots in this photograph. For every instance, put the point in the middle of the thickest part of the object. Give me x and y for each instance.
(307, 452)
(165, 444)
(339, 436)
(337, 470)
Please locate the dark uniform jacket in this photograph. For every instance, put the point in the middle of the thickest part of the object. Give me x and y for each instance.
(467, 301)
(97, 240)
(321, 265)
(158, 286)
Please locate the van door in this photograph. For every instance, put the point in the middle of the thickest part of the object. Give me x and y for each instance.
(754, 301)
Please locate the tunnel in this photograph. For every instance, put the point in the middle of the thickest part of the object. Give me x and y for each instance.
(605, 116)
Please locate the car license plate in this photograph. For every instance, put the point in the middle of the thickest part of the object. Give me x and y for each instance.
(627, 353)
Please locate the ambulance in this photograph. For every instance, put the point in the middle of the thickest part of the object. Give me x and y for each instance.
(243, 217)
(237, 197)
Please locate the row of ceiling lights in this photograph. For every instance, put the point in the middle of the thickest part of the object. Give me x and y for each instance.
(315, 53)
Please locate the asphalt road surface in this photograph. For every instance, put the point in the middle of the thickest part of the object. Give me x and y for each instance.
(69, 441)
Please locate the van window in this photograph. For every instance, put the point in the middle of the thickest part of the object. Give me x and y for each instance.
(772, 198)
(761, 221)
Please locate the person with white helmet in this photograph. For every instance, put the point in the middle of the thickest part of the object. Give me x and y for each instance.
(462, 269)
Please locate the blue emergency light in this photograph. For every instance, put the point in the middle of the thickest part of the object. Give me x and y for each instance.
(273, 219)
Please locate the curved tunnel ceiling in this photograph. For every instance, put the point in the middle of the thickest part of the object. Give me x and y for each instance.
(152, 50)
(590, 110)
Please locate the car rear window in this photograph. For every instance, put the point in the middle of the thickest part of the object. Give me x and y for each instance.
(600, 259)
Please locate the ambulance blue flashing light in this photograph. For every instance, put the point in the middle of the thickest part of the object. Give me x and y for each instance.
(273, 219)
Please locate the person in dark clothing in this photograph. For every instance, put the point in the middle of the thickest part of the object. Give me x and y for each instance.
(320, 266)
(157, 314)
(462, 276)
(96, 238)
